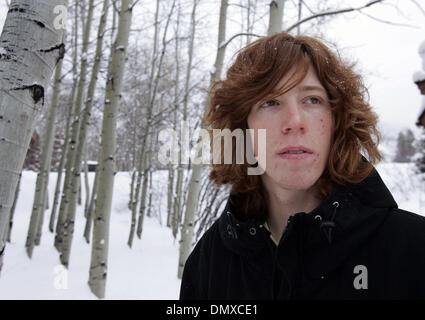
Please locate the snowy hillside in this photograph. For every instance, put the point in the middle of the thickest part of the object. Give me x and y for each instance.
(149, 269)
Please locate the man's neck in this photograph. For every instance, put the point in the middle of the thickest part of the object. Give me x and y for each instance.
(284, 203)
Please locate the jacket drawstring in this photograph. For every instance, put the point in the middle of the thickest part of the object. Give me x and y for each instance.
(327, 225)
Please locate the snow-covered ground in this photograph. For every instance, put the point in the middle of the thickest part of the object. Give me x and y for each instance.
(149, 269)
(146, 271)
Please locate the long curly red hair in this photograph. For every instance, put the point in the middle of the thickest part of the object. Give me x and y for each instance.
(254, 74)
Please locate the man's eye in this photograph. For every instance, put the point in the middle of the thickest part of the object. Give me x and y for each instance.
(269, 103)
(314, 100)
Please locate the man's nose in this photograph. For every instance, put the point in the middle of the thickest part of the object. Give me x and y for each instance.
(292, 119)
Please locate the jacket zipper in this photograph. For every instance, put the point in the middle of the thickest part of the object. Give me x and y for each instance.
(282, 239)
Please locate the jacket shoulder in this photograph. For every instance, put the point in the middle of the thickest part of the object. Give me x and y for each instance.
(405, 230)
(404, 220)
(196, 268)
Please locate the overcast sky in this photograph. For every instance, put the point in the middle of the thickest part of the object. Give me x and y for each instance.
(387, 56)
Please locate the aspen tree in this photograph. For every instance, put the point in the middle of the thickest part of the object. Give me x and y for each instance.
(153, 86)
(100, 241)
(139, 169)
(43, 208)
(89, 214)
(195, 179)
(37, 214)
(171, 170)
(149, 120)
(31, 46)
(90, 208)
(275, 16)
(179, 183)
(65, 146)
(72, 175)
(300, 7)
(146, 164)
(86, 181)
(12, 210)
(82, 130)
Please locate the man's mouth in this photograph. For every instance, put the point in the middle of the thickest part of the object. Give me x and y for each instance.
(295, 150)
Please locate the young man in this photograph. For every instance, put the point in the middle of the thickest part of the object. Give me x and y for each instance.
(319, 223)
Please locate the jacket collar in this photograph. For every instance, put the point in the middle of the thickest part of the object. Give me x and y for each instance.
(342, 212)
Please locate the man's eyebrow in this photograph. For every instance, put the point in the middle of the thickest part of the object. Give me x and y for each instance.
(312, 88)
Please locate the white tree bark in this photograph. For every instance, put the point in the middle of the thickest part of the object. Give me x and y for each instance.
(32, 45)
(276, 16)
(73, 166)
(136, 193)
(195, 180)
(151, 104)
(81, 133)
(90, 209)
(65, 149)
(171, 170)
(86, 181)
(46, 158)
(179, 187)
(12, 211)
(99, 257)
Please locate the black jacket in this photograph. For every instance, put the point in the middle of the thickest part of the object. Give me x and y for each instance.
(355, 245)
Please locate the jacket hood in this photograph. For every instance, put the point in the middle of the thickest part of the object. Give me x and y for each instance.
(326, 236)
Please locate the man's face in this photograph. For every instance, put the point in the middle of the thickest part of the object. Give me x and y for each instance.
(300, 118)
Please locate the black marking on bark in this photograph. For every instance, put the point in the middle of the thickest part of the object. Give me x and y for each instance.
(22, 10)
(37, 92)
(5, 56)
(39, 23)
(60, 47)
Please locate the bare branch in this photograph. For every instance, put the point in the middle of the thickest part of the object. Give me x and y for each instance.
(389, 22)
(223, 45)
(115, 6)
(135, 2)
(419, 7)
(322, 14)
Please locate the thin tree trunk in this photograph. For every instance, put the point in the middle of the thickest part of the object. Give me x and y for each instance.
(146, 164)
(32, 45)
(172, 169)
(12, 210)
(61, 215)
(62, 160)
(179, 186)
(79, 184)
(136, 193)
(150, 192)
(37, 214)
(152, 94)
(75, 152)
(275, 16)
(90, 210)
(148, 161)
(195, 180)
(86, 183)
(37, 239)
(99, 257)
(300, 7)
(177, 200)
